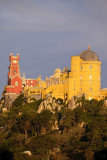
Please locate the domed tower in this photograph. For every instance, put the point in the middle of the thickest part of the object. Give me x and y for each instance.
(90, 74)
(86, 74)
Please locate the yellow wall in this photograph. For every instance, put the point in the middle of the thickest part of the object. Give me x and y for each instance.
(84, 77)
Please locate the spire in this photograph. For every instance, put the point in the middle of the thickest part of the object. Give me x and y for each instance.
(23, 75)
(23, 79)
(89, 47)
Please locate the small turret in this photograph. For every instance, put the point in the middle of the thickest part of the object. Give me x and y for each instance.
(89, 47)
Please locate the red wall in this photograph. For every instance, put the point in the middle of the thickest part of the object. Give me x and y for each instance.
(31, 82)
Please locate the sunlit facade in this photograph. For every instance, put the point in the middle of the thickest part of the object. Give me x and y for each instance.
(83, 78)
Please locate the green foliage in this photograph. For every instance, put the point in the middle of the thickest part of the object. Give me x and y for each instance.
(19, 101)
(81, 133)
(66, 119)
(60, 101)
(78, 114)
(21, 156)
(41, 122)
(41, 144)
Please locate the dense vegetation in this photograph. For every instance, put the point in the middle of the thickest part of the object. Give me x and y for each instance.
(78, 134)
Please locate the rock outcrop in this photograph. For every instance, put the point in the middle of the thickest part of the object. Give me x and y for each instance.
(50, 104)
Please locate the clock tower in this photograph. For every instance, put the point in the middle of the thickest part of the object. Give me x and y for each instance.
(14, 78)
(14, 68)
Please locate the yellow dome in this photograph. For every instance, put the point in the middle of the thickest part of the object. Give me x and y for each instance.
(57, 72)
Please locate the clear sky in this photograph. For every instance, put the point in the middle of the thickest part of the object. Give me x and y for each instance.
(46, 33)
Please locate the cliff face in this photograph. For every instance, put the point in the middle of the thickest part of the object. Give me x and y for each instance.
(8, 100)
(50, 104)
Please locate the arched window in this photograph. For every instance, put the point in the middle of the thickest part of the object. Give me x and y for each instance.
(14, 70)
(90, 76)
(90, 66)
(80, 77)
(16, 83)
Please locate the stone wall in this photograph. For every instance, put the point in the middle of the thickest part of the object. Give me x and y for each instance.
(8, 100)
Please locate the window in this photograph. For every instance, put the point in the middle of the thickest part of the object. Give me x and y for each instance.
(14, 61)
(80, 77)
(90, 66)
(16, 83)
(90, 76)
(90, 89)
(81, 67)
(31, 81)
(98, 77)
(80, 89)
(15, 71)
(90, 82)
(48, 84)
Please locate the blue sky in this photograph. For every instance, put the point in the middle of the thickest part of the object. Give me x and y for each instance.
(46, 33)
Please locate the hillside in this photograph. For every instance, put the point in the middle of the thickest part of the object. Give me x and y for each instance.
(49, 130)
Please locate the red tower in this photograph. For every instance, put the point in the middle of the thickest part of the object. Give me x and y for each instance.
(14, 78)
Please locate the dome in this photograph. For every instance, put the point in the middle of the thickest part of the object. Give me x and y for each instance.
(58, 70)
(88, 55)
(66, 69)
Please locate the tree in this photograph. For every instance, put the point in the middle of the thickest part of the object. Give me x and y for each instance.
(41, 145)
(66, 119)
(19, 101)
(42, 122)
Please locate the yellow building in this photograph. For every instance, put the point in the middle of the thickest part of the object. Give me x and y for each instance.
(83, 78)
(35, 91)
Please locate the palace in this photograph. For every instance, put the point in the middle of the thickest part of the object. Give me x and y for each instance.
(84, 77)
